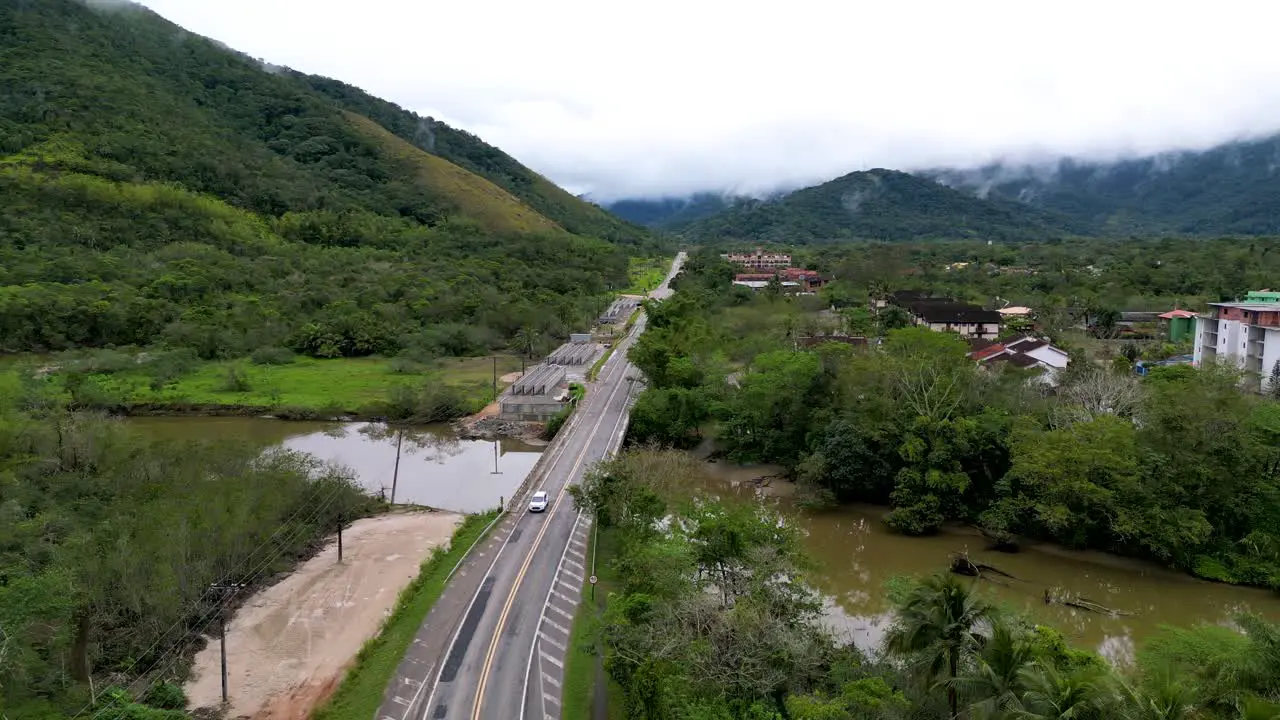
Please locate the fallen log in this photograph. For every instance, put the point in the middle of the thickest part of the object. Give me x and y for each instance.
(962, 565)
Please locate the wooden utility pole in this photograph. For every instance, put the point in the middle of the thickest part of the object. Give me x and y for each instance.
(225, 592)
(395, 474)
(341, 522)
(495, 378)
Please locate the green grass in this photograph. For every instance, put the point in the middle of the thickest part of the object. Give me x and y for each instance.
(595, 369)
(646, 274)
(580, 663)
(350, 385)
(360, 694)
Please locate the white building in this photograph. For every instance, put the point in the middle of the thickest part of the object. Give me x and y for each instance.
(1243, 335)
(1026, 353)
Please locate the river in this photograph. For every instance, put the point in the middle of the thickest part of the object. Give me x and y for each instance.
(436, 468)
(855, 554)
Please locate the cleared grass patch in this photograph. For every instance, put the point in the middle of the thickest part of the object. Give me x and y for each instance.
(360, 694)
(343, 385)
(646, 274)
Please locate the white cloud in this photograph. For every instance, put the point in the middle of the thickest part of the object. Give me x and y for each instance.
(671, 96)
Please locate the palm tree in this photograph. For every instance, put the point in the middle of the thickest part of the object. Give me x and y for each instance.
(937, 629)
(1056, 695)
(1162, 695)
(524, 340)
(996, 681)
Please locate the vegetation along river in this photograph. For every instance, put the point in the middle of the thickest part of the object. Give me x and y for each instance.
(436, 468)
(856, 556)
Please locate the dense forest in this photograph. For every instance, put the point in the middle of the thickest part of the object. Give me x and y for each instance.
(109, 543)
(1180, 467)
(1228, 189)
(709, 618)
(156, 187)
(880, 205)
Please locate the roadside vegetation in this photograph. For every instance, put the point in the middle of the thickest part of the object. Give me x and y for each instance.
(711, 619)
(362, 689)
(1180, 467)
(109, 542)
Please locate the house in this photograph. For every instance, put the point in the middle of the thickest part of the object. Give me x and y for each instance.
(1244, 335)
(1016, 311)
(792, 280)
(1179, 324)
(946, 315)
(759, 260)
(1025, 352)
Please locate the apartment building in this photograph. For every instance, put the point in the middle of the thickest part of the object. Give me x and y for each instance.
(1244, 335)
(759, 260)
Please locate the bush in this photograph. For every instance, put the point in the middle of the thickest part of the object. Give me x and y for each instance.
(272, 356)
(433, 401)
(171, 366)
(166, 696)
(402, 365)
(235, 379)
(101, 362)
(556, 422)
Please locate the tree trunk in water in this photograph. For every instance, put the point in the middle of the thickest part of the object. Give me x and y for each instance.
(80, 650)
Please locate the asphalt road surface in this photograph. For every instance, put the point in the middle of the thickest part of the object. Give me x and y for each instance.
(505, 654)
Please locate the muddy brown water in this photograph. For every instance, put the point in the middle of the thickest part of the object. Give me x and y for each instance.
(856, 556)
(436, 468)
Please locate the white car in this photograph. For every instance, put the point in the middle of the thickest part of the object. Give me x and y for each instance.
(539, 501)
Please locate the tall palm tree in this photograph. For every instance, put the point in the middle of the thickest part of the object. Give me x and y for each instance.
(938, 628)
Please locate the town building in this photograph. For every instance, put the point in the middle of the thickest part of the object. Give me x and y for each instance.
(759, 260)
(947, 315)
(1244, 335)
(1179, 324)
(1023, 351)
(794, 280)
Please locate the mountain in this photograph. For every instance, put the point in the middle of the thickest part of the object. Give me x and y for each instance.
(880, 204)
(158, 187)
(670, 212)
(1230, 189)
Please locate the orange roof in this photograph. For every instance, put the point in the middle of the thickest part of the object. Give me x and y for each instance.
(1178, 314)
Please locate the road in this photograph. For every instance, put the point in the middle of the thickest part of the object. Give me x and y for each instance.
(504, 656)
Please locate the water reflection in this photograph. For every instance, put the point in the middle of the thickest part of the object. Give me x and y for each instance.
(435, 468)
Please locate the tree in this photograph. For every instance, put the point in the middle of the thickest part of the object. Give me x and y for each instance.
(937, 631)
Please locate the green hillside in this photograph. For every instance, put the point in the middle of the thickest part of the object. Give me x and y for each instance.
(158, 188)
(468, 151)
(882, 205)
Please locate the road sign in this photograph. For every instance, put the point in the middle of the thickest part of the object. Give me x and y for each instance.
(592, 579)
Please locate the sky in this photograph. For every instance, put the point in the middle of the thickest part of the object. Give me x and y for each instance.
(668, 97)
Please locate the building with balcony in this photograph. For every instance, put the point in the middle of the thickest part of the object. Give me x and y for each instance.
(1244, 335)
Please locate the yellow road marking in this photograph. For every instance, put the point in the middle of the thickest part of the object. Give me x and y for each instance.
(524, 567)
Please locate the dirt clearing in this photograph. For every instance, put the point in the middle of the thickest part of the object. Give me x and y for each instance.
(289, 643)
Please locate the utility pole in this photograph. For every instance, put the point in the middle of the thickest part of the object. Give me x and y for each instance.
(224, 593)
(395, 474)
(341, 522)
(495, 378)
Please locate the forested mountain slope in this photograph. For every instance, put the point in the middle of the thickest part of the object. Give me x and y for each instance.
(671, 212)
(158, 187)
(1232, 188)
(883, 205)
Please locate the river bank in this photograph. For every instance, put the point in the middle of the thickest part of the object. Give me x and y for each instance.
(857, 558)
(289, 644)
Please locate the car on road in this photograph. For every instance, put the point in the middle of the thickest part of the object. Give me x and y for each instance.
(539, 501)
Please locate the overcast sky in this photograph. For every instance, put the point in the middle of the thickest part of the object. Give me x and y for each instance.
(672, 96)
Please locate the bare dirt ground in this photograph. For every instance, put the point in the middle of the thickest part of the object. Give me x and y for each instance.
(288, 646)
(511, 377)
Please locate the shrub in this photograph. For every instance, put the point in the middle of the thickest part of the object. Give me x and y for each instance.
(166, 696)
(433, 401)
(272, 356)
(97, 362)
(402, 365)
(171, 366)
(235, 379)
(556, 422)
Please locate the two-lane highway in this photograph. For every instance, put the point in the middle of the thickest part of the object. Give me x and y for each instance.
(490, 668)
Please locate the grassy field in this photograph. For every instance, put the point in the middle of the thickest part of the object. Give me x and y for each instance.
(346, 385)
(646, 274)
(580, 663)
(360, 693)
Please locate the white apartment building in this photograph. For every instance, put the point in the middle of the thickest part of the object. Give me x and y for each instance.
(759, 260)
(1244, 335)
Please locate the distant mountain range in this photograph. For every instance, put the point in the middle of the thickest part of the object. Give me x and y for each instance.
(1231, 189)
